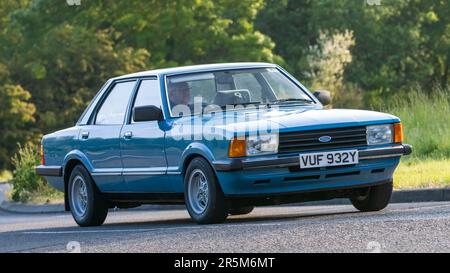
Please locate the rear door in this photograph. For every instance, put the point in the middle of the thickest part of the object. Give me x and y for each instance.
(142, 145)
(99, 140)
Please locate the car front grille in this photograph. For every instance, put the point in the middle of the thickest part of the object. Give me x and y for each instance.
(348, 137)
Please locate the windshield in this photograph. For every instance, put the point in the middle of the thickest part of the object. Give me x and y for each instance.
(230, 88)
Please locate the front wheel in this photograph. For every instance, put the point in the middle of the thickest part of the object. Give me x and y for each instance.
(87, 205)
(373, 198)
(204, 199)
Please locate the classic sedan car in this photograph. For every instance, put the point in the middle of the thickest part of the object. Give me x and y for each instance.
(221, 139)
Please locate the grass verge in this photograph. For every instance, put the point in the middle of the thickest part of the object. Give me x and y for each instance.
(417, 174)
(44, 196)
(5, 176)
(50, 197)
(426, 122)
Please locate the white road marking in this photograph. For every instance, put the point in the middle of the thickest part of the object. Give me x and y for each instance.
(105, 230)
(148, 229)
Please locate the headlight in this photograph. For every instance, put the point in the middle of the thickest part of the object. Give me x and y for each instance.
(262, 144)
(380, 134)
(254, 145)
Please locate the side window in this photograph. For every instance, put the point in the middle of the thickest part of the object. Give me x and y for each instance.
(148, 94)
(112, 111)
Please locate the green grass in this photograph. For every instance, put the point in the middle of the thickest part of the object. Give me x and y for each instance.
(415, 174)
(5, 176)
(44, 196)
(47, 196)
(426, 122)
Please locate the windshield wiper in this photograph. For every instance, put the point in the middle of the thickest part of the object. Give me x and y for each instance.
(242, 103)
(292, 100)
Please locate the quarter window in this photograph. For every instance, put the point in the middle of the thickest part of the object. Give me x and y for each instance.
(148, 94)
(112, 111)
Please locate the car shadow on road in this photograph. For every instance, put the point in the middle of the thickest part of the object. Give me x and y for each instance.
(186, 222)
(240, 219)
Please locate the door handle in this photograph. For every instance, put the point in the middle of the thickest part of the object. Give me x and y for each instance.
(128, 134)
(85, 135)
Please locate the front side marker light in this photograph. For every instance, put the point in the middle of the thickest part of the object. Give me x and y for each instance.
(237, 148)
(398, 132)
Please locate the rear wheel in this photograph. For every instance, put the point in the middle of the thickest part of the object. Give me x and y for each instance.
(204, 199)
(373, 198)
(88, 206)
(240, 210)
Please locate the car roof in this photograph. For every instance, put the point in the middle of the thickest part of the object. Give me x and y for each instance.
(194, 68)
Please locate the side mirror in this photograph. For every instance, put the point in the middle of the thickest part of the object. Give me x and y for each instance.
(323, 96)
(147, 113)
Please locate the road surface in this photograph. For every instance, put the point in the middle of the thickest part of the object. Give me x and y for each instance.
(415, 227)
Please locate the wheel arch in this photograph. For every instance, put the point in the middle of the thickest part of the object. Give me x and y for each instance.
(191, 157)
(71, 160)
(196, 150)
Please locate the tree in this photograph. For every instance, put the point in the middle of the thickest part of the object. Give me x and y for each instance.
(327, 61)
(16, 117)
(398, 44)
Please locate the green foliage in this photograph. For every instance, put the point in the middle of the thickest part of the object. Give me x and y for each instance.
(327, 61)
(25, 181)
(425, 119)
(62, 62)
(16, 117)
(399, 43)
(62, 54)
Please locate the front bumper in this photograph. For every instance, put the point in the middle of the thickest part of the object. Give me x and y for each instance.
(238, 164)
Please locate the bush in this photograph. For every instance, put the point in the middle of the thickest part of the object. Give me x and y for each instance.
(26, 183)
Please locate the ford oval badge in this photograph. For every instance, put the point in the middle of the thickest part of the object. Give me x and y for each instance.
(325, 139)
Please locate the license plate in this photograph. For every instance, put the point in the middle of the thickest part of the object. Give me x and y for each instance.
(326, 159)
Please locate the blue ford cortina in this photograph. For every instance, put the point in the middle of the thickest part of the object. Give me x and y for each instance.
(221, 139)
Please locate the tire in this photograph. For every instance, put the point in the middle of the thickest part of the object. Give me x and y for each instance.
(203, 196)
(372, 199)
(87, 205)
(240, 210)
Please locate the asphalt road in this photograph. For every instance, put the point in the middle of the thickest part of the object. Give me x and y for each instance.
(415, 227)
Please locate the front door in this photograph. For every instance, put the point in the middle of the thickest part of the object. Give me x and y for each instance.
(142, 146)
